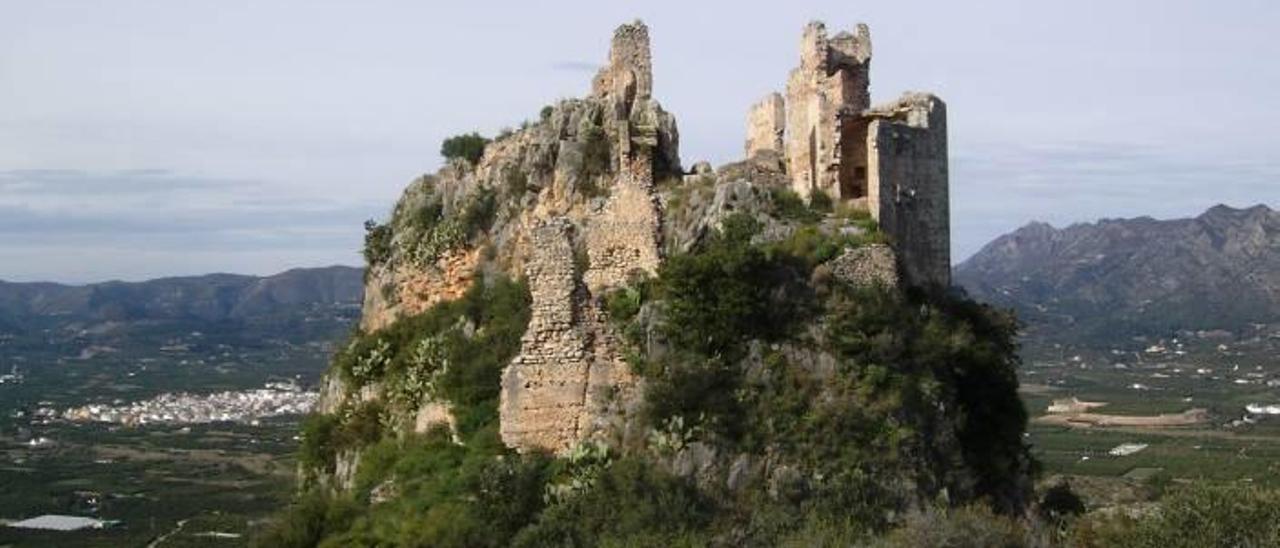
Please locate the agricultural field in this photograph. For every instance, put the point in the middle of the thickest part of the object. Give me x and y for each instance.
(172, 484)
(1158, 410)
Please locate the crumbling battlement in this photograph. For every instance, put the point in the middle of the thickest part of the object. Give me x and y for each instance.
(831, 82)
(766, 126)
(891, 157)
(629, 74)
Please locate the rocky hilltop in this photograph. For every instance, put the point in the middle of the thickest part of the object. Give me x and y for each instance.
(1118, 278)
(568, 339)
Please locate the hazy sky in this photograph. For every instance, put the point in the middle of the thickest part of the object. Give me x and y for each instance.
(141, 139)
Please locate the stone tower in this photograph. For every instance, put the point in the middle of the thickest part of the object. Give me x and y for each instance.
(825, 94)
(890, 159)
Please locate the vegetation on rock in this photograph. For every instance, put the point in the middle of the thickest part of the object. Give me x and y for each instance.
(838, 388)
(467, 146)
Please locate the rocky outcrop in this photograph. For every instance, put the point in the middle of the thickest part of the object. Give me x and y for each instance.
(571, 203)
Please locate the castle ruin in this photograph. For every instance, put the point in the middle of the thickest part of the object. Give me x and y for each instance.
(570, 365)
(890, 159)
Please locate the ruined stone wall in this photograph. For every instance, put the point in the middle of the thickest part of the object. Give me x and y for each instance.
(561, 387)
(557, 390)
(625, 237)
(766, 126)
(908, 185)
(828, 88)
(867, 266)
(544, 388)
(629, 74)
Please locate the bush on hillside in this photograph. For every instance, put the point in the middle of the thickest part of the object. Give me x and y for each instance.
(1198, 515)
(467, 146)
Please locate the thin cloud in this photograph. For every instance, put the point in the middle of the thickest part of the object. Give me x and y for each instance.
(157, 212)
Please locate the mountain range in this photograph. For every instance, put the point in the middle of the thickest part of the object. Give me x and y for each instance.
(1120, 278)
(211, 297)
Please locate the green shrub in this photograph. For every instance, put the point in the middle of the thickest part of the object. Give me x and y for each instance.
(624, 303)
(1199, 515)
(820, 202)
(317, 448)
(907, 354)
(720, 297)
(596, 159)
(468, 146)
(312, 517)
(697, 391)
(788, 205)
(1060, 503)
(811, 247)
(361, 427)
(967, 527)
(377, 243)
(631, 503)
(447, 495)
(431, 232)
(581, 260)
(478, 213)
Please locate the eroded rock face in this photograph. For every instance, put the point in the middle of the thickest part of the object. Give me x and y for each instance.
(433, 415)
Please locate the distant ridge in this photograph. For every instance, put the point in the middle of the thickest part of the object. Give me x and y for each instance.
(210, 297)
(1117, 278)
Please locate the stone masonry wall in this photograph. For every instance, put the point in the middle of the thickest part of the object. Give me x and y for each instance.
(626, 235)
(830, 85)
(907, 168)
(561, 387)
(544, 388)
(766, 125)
(867, 266)
(629, 74)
